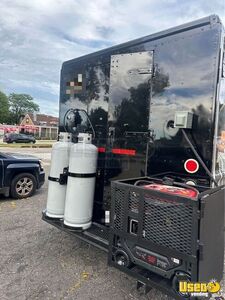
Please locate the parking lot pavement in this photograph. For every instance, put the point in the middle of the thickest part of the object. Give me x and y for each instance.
(39, 261)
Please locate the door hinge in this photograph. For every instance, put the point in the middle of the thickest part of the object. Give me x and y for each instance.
(223, 65)
(202, 209)
(200, 250)
(198, 213)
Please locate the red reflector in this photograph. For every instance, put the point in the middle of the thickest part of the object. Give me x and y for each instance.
(191, 165)
(124, 151)
(101, 149)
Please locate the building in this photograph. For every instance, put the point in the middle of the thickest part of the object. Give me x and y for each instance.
(41, 125)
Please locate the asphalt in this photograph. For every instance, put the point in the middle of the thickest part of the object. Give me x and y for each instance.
(39, 261)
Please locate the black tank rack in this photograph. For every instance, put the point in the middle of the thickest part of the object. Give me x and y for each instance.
(97, 234)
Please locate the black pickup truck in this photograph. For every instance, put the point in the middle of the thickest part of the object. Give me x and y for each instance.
(20, 175)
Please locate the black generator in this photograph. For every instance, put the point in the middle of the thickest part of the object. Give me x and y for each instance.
(164, 231)
(155, 108)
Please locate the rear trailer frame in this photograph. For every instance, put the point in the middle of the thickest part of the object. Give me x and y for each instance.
(97, 235)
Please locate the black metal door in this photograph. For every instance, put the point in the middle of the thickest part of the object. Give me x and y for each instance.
(128, 116)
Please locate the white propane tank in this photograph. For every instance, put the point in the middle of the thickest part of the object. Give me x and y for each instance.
(57, 191)
(81, 183)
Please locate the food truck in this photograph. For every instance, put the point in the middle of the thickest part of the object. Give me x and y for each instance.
(139, 166)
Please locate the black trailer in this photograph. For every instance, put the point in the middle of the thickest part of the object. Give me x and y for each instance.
(156, 107)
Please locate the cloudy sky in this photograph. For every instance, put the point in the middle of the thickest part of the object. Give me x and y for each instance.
(37, 36)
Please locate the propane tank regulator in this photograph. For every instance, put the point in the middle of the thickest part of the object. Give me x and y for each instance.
(77, 121)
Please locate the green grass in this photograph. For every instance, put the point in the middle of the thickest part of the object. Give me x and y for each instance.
(43, 144)
(45, 141)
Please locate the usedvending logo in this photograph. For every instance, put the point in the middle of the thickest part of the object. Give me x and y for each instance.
(199, 289)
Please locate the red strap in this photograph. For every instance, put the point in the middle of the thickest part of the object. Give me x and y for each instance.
(101, 149)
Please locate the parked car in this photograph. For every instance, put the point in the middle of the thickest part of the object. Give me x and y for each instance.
(20, 175)
(18, 138)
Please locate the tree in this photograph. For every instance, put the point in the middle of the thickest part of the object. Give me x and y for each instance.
(20, 104)
(4, 108)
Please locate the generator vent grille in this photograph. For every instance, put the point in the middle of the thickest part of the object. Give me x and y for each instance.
(168, 224)
(119, 210)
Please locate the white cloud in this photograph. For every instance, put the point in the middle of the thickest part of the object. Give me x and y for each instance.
(37, 36)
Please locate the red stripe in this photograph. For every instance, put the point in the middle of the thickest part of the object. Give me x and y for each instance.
(101, 149)
(118, 151)
(124, 151)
